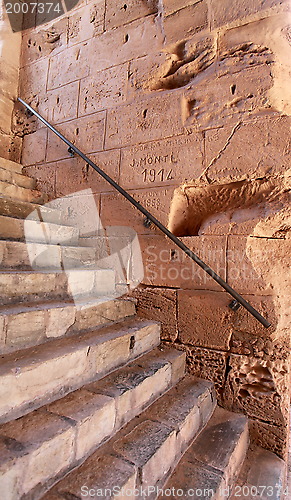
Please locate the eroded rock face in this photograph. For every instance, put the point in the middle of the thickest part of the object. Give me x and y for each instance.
(193, 96)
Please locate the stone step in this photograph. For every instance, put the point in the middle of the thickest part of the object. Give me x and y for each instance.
(17, 179)
(211, 465)
(21, 193)
(76, 284)
(22, 209)
(26, 325)
(54, 439)
(140, 455)
(41, 232)
(12, 166)
(263, 475)
(42, 374)
(27, 255)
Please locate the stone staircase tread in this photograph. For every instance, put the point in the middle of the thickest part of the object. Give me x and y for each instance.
(22, 209)
(81, 421)
(150, 444)
(17, 179)
(263, 475)
(47, 372)
(11, 165)
(13, 191)
(213, 461)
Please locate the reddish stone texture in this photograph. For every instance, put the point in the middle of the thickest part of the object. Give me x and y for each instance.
(123, 44)
(116, 210)
(105, 89)
(204, 319)
(158, 98)
(65, 70)
(120, 13)
(86, 22)
(252, 149)
(167, 265)
(222, 14)
(186, 22)
(144, 120)
(159, 304)
(34, 147)
(74, 174)
(166, 162)
(87, 133)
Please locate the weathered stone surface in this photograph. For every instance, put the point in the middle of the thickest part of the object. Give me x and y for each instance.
(154, 456)
(134, 387)
(86, 23)
(166, 265)
(34, 147)
(171, 6)
(66, 364)
(182, 408)
(147, 119)
(262, 472)
(60, 320)
(103, 90)
(63, 71)
(158, 304)
(270, 437)
(217, 455)
(249, 150)
(21, 193)
(34, 231)
(185, 22)
(167, 162)
(11, 166)
(79, 132)
(254, 386)
(47, 446)
(45, 177)
(221, 14)
(33, 78)
(98, 473)
(100, 311)
(120, 13)
(21, 209)
(15, 178)
(123, 44)
(208, 364)
(25, 328)
(204, 319)
(117, 211)
(94, 415)
(74, 174)
(45, 42)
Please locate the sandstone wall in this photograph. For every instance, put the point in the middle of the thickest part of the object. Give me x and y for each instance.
(163, 94)
(10, 46)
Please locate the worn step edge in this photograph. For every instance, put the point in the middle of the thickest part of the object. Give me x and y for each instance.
(34, 231)
(74, 283)
(27, 255)
(14, 191)
(263, 476)
(93, 415)
(150, 444)
(22, 326)
(35, 376)
(11, 165)
(212, 463)
(17, 179)
(22, 209)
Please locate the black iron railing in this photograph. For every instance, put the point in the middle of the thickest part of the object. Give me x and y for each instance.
(238, 299)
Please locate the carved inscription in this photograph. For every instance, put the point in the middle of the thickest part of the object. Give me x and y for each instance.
(152, 171)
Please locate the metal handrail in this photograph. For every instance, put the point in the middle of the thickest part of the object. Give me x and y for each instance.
(239, 300)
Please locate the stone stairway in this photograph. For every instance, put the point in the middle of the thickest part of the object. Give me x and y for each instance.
(91, 404)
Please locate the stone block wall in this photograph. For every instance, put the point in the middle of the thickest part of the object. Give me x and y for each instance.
(164, 94)
(10, 47)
